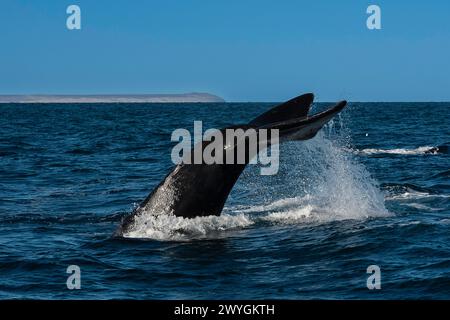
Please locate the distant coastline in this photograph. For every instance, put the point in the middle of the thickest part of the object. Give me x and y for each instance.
(113, 98)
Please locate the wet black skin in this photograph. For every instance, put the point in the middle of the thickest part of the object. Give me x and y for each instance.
(202, 189)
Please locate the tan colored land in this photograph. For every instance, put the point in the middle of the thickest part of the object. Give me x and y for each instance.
(135, 98)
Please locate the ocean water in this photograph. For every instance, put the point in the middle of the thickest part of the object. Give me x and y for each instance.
(369, 189)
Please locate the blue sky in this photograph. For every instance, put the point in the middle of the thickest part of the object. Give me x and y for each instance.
(241, 50)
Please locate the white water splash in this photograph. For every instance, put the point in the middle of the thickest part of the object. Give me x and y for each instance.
(401, 151)
(170, 227)
(339, 187)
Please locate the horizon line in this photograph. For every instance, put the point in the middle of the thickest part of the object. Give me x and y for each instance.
(205, 97)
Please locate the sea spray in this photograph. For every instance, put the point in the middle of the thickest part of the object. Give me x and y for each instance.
(339, 187)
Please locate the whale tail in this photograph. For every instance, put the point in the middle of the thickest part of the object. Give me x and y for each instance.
(192, 190)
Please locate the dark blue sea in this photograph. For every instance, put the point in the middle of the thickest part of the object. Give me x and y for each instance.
(370, 189)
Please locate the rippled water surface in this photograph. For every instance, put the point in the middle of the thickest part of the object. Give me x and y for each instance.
(372, 188)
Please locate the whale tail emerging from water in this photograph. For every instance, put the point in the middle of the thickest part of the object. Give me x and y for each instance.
(192, 189)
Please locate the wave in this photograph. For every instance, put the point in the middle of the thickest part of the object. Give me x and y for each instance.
(410, 192)
(417, 198)
(415, 195)
(444, 174)
(328, 182)
(433, 150)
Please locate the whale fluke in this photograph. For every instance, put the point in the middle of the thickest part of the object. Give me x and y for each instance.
(192, 190)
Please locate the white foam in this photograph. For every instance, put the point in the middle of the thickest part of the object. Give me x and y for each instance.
(401, 151)
(170, 227)
(278, 205)
(294, 216)
(408, 195)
